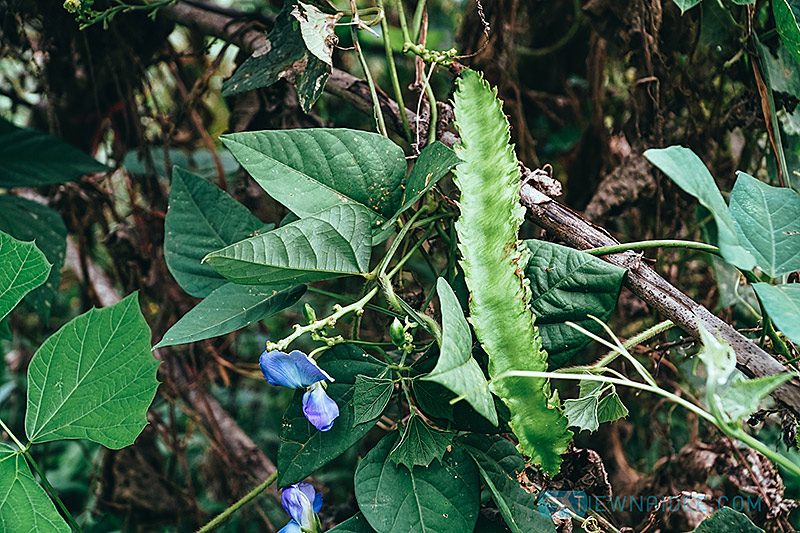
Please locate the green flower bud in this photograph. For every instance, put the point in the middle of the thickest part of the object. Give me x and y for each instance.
(310, 314)
(72, 6)
(397, 333)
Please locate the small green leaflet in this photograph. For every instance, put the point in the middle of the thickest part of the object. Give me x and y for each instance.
(569, 285)
(786, 24)
(201, 218)
(24, 505)
(309, 170)
(286, 55)
(333, 243)
(782, 304)
(499, 464)
(371, 397)
(433, 163)
(589, 410)
(29, 158)
(229, 308)
(767, 223)
(456, 369)
(442, 497)
(24, 268)
(28, 221)
(690, 174)
(303, 449)
(420, 444)
(726, 520)
(582, 413)
(93, 379)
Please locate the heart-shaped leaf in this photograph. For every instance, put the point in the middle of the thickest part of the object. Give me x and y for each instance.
(93, 379)
(420, 444)
(201, 218)
(229, 308)
(569, 285)
(24, 505)
(371, 397)
(767, 223)
(24, 268)
(29, 158)
(442, 497)
(782, 304)
(456, 369)
(332, 243)
(309, 170)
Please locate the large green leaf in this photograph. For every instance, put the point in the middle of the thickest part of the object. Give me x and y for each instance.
(229, 308)
(500, 463)
(442, 497)
(30, 157)
(201, 218)
(726, 520)
(786, 16)
(303, 448)
(24, 268)
(569, 285)
(28, 221)
(313, 169)
(333, 243)
(768, 223)
(690, 174)
(285, 55)
(24, 505)
(93, 379)
(493, 263)
(782, 304)
(433, 163)
(456, 369)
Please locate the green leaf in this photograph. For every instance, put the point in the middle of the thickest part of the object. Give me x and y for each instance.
(442, 497)
(28, 221)
(229, 308)
(284, 56)
(742, 396)
(433, 163)
(569, 285)
(499, 464)
(611, 408)
(201, 218)
(371, 397)
(782, 304)
(726, 520)
(24, 505)
(355, 524)
(317, 29)
(420, 444)
(786, 24)
(93, 379)
(690, 174)
(333, 243)
(304, 449)
(582, 413)
(493, 260)
(768, 223)
(24, 268)
(456, 369)
(29, 158)
(325, 167)
(686, 5)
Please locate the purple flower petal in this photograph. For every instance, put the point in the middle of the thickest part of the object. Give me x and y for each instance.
(317, 502)
(293, 370)
(298, 505)
(319, 408)
(291, 527)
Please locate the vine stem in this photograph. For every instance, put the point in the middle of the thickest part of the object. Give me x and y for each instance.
(11, 435)
(636, 339)
(224, 515)
(641, 245)
(398, 93)
(67, 515)
(376, 105)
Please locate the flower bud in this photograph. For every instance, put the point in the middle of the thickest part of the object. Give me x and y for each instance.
(310, 314)
(397, 333)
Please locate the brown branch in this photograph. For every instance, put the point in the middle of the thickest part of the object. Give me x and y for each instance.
(551, 215)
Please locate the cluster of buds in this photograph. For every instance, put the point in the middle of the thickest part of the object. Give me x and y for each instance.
(402, 335)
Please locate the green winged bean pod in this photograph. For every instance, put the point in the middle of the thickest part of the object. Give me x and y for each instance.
(494, 260)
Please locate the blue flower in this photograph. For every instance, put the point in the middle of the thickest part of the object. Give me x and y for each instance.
(302, 504)
(296, 370)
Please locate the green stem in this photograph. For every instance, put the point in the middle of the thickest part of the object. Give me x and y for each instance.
(416, 21)
(403, 24)
(11, 435)
(376, 105)
(408, 226)
(398, 93)
(641, 245)
(635, 340)
(70, 520)
(224, 515)
(434, 112)
(352, 300)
